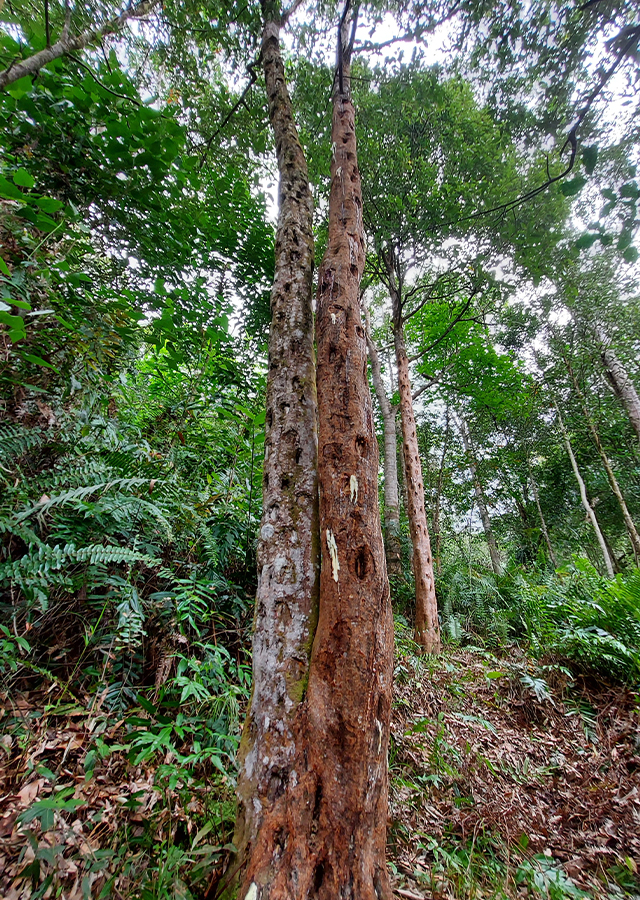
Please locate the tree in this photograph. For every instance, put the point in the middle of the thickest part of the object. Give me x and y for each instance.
(313, 783)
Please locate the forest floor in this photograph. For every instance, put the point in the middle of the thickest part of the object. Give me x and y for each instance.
(508, 780)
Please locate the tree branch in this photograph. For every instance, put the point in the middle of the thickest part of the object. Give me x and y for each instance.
(66, 45)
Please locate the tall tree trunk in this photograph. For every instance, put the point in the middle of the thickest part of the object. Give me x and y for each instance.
(496, 564)
(436, 509)
(543, 524)
(619, 379)
(427, 626)
(393, 548)
(588, 508)
(288, 551)
(323, 823)
(632, 531)
(350, 683)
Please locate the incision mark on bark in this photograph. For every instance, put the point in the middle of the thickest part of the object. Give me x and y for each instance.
(353, 489)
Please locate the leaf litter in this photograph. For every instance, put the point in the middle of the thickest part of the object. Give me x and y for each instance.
(505, 782)
(510, 779)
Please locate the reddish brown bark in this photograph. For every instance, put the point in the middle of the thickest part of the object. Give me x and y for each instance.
(318, 829)
(350, 683)
(427, 627)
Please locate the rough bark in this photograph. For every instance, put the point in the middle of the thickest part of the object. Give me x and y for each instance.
(543, 524)
(494, 553)
(322, 824)
(632, 531)
(588, 508)
(427, 626)
(288, 552)
(619, 379)
(350, 682)
(393, 548)
(72, 43)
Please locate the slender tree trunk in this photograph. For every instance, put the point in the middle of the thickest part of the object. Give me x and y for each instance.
(619, 379)
(393, 547)
(436, 510)
(632, 531)
(588, 508)
(323, 818)
(543, 524)
(288, 552)
(496, 564)
(72, 43)
(427, 627)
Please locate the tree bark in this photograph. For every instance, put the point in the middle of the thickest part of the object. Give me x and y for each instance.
(288, 552)
(322, 831)
(543, 524)
(72, 43)
(496, 564)
(427, 626)
(632, 531)
(588, 508)
(436, 510)
(393, 548)
(619, 379)
(350, 683)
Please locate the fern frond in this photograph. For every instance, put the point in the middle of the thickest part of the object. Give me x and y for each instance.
(79, 494)
(16, 440)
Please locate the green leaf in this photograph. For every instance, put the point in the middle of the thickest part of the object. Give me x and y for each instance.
(586, 241)
(23, 178)
(49, 205)
(9, 191)
(630, 190)
(589, 158)
(37, 361)
(630, 255)
(571, 188)
(493, 675)
(4, 268)
(609, 194)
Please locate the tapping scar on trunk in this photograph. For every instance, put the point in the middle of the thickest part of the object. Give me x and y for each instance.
(333, 553)
(252, 893)
(353, 488)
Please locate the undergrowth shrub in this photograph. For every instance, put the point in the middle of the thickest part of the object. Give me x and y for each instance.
(581, 617)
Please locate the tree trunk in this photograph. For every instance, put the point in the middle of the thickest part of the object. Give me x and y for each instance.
(619, 379)
(632, 531)
(583, 496)
(436, 510)
(323, 832)
(427, 627)
(72, 43)
(496, 564)
(393, 548)
(288, 552)
(543, 524)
